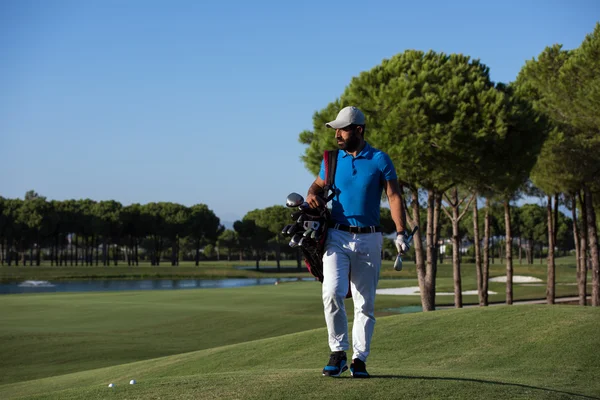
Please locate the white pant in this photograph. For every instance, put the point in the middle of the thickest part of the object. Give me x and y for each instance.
(354, 257)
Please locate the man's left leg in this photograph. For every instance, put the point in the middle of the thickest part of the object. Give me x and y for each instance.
(364, 278)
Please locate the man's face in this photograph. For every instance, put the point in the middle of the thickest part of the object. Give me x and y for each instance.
(348, 138)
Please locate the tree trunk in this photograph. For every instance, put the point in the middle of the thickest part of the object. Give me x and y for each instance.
(455, 251)
(551, 279)
(437, 210)
(477, 251)
(8, 248)
(419, 249)
(278, 254)
(593, 246)
(520, 251)
(86, 250)
(22, 252)
(9, 244)
(77, 250)
(197, 252)
(581, 272)
(173, 250)
(117, 250)
(38, 254)
(428, 292)
(56, 255)
(158, 252)
(486, 253)
(555, 220)
(509, 260)
(104, 252)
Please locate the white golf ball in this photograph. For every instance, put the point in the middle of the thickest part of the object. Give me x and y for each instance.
(111, 385)
(132, 382)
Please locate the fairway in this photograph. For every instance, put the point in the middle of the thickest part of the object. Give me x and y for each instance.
(528, 352)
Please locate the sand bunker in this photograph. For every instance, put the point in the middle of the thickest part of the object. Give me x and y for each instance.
(415, 291)
(517, 279)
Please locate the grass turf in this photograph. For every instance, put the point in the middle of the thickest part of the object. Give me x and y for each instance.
(517, 352)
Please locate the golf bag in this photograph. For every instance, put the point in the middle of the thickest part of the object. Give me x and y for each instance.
(309, 231)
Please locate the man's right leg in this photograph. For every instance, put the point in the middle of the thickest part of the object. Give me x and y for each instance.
(336, 268)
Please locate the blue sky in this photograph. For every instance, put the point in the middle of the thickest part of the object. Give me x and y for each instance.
(202, 102)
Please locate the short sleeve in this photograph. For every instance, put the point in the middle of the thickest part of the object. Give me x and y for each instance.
(322, 171)
(387, 167)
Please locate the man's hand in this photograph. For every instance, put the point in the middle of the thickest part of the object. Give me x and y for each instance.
(401, 243)
(315, 201)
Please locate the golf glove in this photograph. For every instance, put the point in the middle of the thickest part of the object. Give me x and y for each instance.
(401, 243)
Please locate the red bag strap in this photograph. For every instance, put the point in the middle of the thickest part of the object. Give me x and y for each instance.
(330, 157)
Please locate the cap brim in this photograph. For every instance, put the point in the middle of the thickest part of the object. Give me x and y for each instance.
(335, 124)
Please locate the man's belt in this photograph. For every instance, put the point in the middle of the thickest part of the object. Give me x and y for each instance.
(355, 229)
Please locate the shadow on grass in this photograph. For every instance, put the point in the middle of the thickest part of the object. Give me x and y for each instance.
(431, 378)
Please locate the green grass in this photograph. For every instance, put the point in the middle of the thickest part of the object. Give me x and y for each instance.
(508, 352)
(214, 343)
(186, 270)
(51, 334)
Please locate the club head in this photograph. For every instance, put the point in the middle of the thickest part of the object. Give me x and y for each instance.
(308, 232)
(398, 263)
(297, 214)
(296, 240)
(292, 229)
(285, 229)
(294, 200)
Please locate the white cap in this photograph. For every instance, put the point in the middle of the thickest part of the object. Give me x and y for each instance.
(347, 116)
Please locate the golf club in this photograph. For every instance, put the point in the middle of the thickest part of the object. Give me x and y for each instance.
(296, 239)
(296, 200)
(398, 262)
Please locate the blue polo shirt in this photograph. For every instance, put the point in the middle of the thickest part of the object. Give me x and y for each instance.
(359, 182)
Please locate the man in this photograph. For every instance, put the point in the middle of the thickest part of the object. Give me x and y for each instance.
(354, 241)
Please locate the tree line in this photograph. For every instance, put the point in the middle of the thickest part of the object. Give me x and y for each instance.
(87, 232)
(455, 136)
(100, 232)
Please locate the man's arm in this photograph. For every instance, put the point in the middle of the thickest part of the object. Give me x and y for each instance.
(392, 190)
(313, 197)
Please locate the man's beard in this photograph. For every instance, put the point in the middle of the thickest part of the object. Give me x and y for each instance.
(351, 144)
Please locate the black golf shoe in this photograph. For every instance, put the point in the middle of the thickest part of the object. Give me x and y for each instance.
(336, 365)
(358, 369)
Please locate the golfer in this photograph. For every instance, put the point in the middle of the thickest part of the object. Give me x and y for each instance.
(354, 241)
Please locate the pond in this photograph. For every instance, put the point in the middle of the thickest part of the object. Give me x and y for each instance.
(32, 286)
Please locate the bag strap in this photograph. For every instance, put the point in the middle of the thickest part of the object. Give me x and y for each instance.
(330, 157)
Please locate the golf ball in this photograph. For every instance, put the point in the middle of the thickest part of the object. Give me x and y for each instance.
(111, 385)
(132, 382)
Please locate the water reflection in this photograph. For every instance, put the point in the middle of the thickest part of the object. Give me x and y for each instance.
(132, 284)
